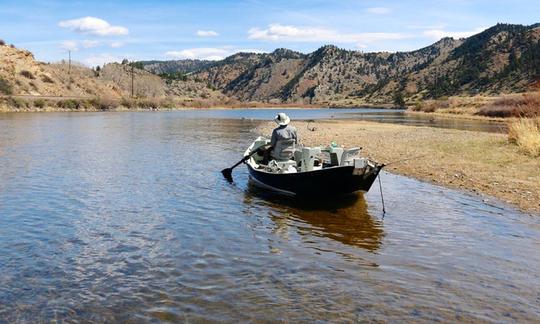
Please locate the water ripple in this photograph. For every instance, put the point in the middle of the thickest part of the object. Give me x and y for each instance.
(125, 217)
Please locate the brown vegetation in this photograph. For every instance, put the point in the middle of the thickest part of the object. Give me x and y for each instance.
(47, 79)
(522, 106)
(27, 74)
(525, 133)
(5, 87)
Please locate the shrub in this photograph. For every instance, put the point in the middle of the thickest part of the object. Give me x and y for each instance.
(399, 101)
(17, 102)
(525, 133)
(5, 87)
(27, 74)
(72, 104)
(47, 79)
(39, 103)
(430, 106)
(149, 103)
(105, 103)
(2, 42)
(526, 105)
(126, 102)
(167, 103)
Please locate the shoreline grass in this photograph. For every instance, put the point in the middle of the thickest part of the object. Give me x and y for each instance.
(525, 133)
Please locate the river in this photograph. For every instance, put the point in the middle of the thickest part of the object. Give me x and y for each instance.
(126, 217)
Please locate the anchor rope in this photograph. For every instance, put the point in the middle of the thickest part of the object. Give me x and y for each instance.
(382, 196)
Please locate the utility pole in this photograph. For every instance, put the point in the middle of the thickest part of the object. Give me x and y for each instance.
(132, 81)
(69, 67)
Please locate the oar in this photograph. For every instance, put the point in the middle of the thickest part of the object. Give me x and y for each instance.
(227, 173)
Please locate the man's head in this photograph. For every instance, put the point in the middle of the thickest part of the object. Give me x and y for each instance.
(282, 120)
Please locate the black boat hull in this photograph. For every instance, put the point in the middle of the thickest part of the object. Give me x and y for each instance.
(326, 182)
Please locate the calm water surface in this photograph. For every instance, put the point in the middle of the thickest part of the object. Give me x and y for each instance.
(369, 114)
(125, 217)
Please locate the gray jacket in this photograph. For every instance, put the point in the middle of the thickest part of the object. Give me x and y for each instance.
(284, 139)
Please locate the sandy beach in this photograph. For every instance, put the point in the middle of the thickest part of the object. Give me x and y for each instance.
(478, 162)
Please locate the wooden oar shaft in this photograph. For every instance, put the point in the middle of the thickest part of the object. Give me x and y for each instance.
(227, 173)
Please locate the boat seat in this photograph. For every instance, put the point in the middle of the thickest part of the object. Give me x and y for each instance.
(297, 155)
(288, 166)
(336, 154)
(347, 158)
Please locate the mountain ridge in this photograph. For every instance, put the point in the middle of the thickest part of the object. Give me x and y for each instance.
(502, 59)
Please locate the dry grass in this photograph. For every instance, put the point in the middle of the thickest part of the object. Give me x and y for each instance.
(525, 133)
(452, 105)
(520, 106)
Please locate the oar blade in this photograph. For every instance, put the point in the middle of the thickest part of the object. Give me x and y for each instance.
(227, 174)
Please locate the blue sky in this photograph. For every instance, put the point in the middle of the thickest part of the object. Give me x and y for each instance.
(102, 31)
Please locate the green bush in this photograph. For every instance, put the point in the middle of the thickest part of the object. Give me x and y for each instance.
(399, 101)
(5, 87)
(103, 103)
(17, 103)
(39, 103)
(71, 104)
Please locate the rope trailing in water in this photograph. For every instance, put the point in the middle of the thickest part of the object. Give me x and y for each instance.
(382, 196)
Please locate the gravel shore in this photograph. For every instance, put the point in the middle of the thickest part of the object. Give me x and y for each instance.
(483, 163)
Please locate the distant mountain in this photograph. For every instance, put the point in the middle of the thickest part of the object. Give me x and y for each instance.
(503, 58)
(179, 66)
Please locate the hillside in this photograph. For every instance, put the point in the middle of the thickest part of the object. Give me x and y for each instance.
(22, 76)
(178, 66)
(502, 59)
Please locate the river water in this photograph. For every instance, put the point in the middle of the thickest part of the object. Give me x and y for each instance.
(125, 217)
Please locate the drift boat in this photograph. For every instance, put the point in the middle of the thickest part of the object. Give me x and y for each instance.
(314, 171)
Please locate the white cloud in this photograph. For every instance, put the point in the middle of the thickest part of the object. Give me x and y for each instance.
(101, 59)
(440, 33)
(207, 33)
(90, 43)
(208, 53)
(278, 32)
(69, 46)
(378, 10)
(116, 44)
(93, 26)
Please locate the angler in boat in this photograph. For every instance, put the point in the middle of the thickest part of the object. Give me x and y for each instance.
(283, 141)
(282, 165)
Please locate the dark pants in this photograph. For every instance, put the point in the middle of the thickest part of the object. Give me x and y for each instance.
(267, 155)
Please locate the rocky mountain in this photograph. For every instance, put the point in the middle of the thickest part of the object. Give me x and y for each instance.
(22, 75)
(504, 58)
(178, 66)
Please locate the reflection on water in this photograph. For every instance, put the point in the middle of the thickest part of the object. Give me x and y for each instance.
(125, 217)
(403, 118)
(369, 114)
(345, 219)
